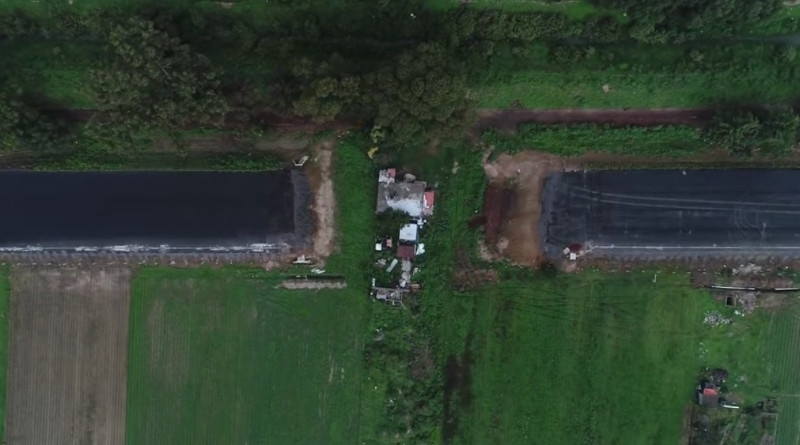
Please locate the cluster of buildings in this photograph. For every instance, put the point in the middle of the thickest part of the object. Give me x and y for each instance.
(415, 199)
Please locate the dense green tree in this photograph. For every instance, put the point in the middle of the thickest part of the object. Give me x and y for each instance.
(663, 20)
(155, 83)
(422, 94)
(9, 121)
(743, 132)
(324, 93)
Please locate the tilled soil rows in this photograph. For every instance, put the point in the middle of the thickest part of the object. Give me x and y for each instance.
(68, 356)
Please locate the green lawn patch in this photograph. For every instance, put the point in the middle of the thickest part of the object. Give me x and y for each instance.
(670, 141)
(621, 75)
(223, 356)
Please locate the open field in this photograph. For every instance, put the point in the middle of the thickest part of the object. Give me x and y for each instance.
(602, 358)
(67, 361)
(784, 358)
(662, 141)
(225, 357)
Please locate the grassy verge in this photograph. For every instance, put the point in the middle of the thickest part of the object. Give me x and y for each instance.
(247, 161)
(5, 292)
(636, 75)
(221, 356)
(666, 141)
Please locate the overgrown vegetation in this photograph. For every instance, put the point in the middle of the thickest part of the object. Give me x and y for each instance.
(573, 140)
(771, 131)
(742, 132)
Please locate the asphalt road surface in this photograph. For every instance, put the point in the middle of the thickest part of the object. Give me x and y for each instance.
(219, 210)
(683, 211)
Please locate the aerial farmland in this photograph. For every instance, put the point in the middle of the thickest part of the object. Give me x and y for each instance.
(399, 222)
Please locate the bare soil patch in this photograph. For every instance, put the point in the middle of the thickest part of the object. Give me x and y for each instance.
(512, 206)
(68, 356)
(324, 205)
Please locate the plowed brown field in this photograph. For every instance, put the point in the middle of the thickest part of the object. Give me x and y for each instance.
(67, 357)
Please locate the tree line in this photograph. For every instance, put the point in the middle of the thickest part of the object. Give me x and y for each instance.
(396, 65)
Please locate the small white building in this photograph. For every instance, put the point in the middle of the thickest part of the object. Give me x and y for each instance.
(409, 233)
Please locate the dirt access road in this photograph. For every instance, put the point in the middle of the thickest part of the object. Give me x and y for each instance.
(499, 118)
(507, 120)
(68, 356)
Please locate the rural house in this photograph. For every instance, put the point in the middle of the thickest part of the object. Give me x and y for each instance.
(408, 196)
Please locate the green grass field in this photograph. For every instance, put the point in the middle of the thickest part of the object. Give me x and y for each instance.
(580, 88)
(589, 359)
(5, 289)
(784, 358)
(610, 358)
(225, 357)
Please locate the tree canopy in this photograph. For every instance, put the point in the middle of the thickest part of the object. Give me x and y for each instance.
(662, 20)
(743, 132)
(424, 90)
(155, 82)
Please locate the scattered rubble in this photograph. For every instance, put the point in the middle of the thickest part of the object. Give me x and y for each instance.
(714, 318)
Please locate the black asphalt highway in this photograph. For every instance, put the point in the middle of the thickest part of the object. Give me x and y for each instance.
(621, 211)
(176, 209)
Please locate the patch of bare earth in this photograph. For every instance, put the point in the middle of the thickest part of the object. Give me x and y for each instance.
(512, 212)
(324, 205)
(68, 356)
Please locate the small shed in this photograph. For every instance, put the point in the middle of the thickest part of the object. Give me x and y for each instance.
(707, 395)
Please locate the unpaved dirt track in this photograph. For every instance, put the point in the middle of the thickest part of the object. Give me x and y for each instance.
(68, 357)
(508, 120)
(324, 205)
